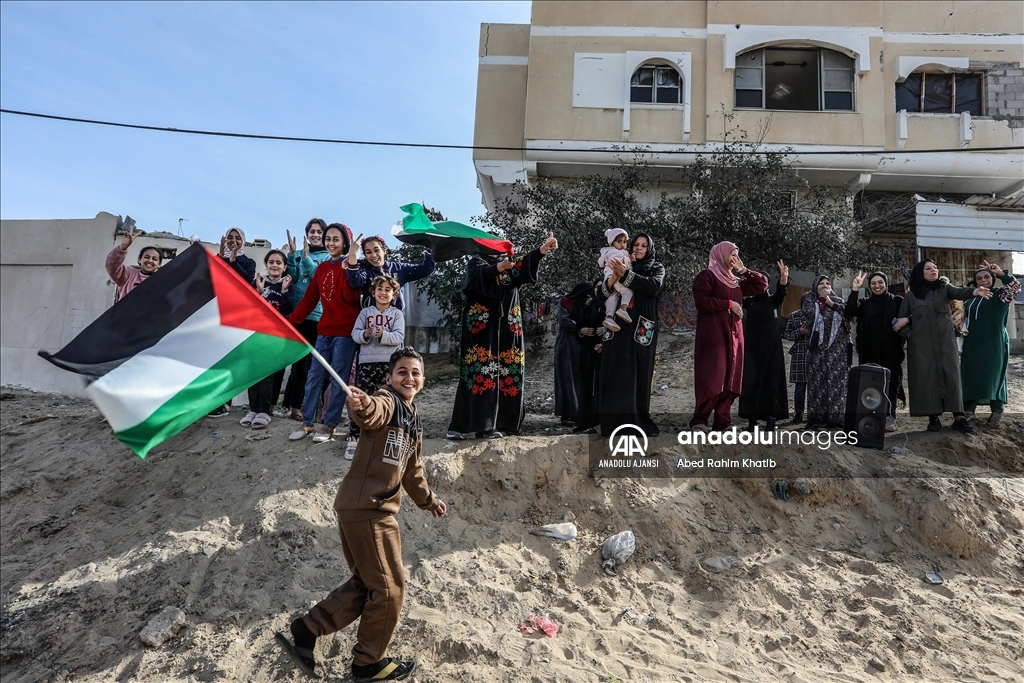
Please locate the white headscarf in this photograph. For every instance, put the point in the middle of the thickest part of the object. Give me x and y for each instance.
(227, 252)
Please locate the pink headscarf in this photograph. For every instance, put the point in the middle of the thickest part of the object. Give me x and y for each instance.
(718, 264)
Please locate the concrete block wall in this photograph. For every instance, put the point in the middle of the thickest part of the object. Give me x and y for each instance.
(1004, 91)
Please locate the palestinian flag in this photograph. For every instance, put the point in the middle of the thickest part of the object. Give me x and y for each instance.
(185, 341)
(447, 240)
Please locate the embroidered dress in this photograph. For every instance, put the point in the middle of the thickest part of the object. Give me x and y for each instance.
(827, 367)
(490, 392)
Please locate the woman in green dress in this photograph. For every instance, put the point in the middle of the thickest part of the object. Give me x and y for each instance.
(933, 367)
(986, 345)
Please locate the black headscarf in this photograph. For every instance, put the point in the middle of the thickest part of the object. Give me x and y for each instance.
(646, 264)
(877, 305)
(918, 285)
(579, 290)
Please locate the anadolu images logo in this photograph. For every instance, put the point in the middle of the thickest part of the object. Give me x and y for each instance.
(627, 443)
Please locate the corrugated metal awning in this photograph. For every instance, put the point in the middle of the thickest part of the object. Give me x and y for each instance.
(986, 224)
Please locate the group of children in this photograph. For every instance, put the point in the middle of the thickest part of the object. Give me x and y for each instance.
(385, 436)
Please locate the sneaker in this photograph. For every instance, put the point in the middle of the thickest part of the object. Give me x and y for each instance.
(491, 434)
(282, 412)
(995, 418)
(611, 325)
(350, 448)
(301, 433)
(621, 314)
(455, 436)
(890, 424)
(961, 424)
(219, 411)
(247, 420)
(323, 434)
(384, 670)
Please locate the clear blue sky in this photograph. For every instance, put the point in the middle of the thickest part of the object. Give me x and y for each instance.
(354, 70)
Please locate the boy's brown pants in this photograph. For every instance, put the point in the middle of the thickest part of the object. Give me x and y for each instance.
(373, 550)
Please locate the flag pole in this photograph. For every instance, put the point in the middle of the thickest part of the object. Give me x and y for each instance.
(330, 370)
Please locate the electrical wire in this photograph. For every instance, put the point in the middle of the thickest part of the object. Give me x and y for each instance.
(429, 145)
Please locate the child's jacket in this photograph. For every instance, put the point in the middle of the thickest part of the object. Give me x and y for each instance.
(387, 460)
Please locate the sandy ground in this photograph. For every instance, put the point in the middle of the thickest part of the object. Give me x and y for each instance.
(235, 528)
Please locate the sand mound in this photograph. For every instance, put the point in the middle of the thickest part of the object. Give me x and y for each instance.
(235, 528)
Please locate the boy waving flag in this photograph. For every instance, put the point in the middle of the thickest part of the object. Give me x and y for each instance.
(185, 341)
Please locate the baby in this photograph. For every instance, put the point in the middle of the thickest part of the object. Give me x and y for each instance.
(617, 239)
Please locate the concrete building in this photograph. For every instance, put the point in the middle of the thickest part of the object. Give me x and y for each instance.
(925, 90)
(53, 285)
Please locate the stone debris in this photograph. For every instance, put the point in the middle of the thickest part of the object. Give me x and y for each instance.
(162, 627)
(717, 565)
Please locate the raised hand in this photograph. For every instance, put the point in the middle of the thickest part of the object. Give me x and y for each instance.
(305, 247)
(259, 283)
(223, 241)
(783, 272)
(983, 292)
(858, 281)
(286, 282)
(292, 245)
(996, 270)
(353, 251)
(736, 263)
(550, 244)
(128, 237)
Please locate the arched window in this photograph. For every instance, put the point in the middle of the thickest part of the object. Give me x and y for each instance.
(799, 79)
(930, 92)
(656, 84)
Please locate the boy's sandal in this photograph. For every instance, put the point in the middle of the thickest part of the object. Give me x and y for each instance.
(302, 657)
(389, 670)
(260, 421)
(247, 420)
(301, 433)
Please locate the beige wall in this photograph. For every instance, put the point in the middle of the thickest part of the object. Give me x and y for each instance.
(53, 286)
(532, 104)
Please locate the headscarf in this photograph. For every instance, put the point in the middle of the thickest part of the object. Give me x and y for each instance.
(646, 264)
(579, 290)
(876, 305)
(718, 264)
(920, 287)
(612, 234)
(240, 234)
(820, 311)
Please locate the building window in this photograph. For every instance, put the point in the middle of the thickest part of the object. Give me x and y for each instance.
(655, 84)
(794, 79)
(936, 93)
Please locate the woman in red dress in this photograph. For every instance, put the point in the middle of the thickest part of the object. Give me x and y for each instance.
(718, 293)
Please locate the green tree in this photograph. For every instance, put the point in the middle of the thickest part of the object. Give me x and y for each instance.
(738, 194)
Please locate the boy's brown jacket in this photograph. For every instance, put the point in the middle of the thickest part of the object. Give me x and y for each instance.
(387, 459)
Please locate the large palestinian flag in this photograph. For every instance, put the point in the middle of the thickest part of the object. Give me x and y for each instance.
(447, 240)
(185, 341)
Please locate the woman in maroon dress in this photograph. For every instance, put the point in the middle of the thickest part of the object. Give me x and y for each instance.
(718, 292)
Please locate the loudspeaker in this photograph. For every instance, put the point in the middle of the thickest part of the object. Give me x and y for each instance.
(867, 404)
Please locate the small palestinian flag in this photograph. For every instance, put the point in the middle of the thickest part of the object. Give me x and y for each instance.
(447, 240)
(185, 341)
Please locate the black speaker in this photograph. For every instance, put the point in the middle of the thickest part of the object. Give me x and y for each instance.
(867, 404)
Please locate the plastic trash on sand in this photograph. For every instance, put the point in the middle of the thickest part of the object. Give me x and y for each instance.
(565, 531)
(534, 623)
(616, 550)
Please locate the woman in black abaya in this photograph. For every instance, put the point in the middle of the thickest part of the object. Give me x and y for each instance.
(764, 395)
(627, 370)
